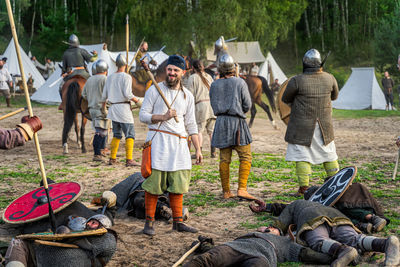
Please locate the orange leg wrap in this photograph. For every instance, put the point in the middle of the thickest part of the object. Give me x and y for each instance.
(176, 204)
(150, 204)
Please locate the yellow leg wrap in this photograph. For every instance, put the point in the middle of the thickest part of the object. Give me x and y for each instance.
(129, 147)
(331, 168)
(148, 84)
(224, 174)
(114, 147)
(303, 172)
(244, 171)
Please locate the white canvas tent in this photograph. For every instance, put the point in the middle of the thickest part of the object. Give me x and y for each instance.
(48, 92)
(29, 68)
(275, 73)
(361, 91)
(242, 52)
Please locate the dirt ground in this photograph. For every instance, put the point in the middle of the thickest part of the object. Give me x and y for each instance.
(359, 141)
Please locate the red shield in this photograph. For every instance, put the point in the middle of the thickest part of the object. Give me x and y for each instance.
(33, 206)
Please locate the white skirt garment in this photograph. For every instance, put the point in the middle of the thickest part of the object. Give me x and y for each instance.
(317, 153)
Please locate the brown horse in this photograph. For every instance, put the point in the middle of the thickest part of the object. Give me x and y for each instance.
(257, 85)
(71, 99)
(139, 89)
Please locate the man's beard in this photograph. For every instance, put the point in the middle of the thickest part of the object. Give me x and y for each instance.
(172, 83)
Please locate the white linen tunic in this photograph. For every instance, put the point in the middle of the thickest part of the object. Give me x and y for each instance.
(169, 152)
(118, 88)
(317, 153)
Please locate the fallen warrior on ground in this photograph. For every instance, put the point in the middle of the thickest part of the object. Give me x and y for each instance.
(327, 230)
(357, 203)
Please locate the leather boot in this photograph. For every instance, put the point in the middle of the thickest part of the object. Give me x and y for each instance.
(181, 227)
(392, 257)
(378, 223)
(213, 152)
(8, 101)
(301, 191)
(244, 171)
(344, 255)
(365, 227)
(148, 228)
(224, 174)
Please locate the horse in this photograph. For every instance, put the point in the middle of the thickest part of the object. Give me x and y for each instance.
(71, 100)
(257, 85)
(139, 89)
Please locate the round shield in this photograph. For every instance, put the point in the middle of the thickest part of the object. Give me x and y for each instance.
(33, 206)
(84, 106)
(331, 191)
(284, 109)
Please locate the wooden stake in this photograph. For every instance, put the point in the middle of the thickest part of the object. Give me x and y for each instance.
(30, 111)
(13, 113)
(396, 166)
(190, 251)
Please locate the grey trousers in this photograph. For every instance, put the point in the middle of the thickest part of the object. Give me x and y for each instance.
(344, 234)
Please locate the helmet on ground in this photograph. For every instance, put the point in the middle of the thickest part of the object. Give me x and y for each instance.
(76, 223)
(101, 66)
(102, 219)
(226, 64)
(312, 59)
(120, 61)
(73, 40)
(94, 68)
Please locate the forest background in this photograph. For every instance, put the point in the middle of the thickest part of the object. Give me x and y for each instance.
(359, 33)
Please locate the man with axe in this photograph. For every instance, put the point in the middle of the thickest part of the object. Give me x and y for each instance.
(168, 109)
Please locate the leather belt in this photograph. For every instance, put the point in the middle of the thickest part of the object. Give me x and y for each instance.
(204, 100)
(78, 68)
(161, 131)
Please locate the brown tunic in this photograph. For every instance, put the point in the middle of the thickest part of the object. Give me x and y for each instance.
(310, 96)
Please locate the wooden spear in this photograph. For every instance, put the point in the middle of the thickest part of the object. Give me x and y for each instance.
(127, 42)
(13, 113)
(146, 67)
(134, 56)
(190, 251)
(30, 111)
(396, 166)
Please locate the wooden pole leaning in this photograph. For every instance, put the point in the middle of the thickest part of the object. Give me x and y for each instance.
(127, 42)
(396, 166)
(146, 67)
(134, 56)
(13, 113)
(30, 111)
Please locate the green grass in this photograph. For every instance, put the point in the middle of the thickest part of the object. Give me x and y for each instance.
(19, 102)
(356, 114)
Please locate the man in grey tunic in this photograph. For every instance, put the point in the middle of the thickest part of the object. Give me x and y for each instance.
(310, 129)
(92, 92)
(230, 100)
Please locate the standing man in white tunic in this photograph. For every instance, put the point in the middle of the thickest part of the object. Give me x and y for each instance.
(170, 156)
(118, 92)
(310, 129)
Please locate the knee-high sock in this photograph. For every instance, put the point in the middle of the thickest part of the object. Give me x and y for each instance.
(224, 174)
(150, 204)
(176, 204)
(103, 142)
(114, 147)
(303, 172)
(244, 171)
(129, 147)
(97, 144)
(331, 168)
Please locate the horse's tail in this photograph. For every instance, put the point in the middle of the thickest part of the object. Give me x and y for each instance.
(268, 92)
(71, 103)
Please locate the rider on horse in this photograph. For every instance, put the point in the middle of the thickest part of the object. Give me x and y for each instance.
(74, 60)
(140, 73)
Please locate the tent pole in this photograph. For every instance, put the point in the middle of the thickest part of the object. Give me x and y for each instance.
(30, 111)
